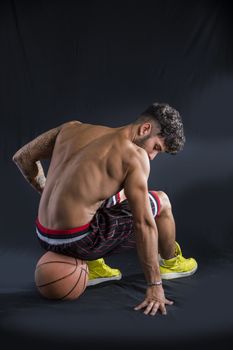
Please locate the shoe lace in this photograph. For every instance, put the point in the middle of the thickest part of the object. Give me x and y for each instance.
(178, 259)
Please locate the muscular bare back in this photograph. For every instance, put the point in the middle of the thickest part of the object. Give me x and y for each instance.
(88, 165)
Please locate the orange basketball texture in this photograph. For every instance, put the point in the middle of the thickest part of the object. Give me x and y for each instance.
(59, 276)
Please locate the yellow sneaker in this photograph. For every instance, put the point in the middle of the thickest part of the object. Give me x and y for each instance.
(100, 272)
(177, 266)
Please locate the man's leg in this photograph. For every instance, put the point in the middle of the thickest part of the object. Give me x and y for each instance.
(172, 263)
(99, 271)
(166, 227)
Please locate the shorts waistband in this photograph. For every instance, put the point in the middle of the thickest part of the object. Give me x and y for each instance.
(81, 229)
(58, 237)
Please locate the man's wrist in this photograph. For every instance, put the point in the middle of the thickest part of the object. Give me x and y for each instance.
(156, 283)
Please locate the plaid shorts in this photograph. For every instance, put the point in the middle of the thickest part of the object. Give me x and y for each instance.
(110, 231)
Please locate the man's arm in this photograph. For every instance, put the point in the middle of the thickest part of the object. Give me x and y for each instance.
(28, 157)
(146, 234)
(136, 191)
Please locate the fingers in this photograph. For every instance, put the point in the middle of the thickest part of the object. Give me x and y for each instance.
(163, 309)
(150, 307)
(141, 306)
(154, 309)
(153, 306)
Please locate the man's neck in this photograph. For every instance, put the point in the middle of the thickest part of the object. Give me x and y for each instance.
(129, 131)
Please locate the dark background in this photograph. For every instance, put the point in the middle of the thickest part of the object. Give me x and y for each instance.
(104, 62)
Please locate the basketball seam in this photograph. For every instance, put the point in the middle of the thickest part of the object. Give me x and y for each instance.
(59, 279)
(74, 284)
(55, 261)
(82, 269)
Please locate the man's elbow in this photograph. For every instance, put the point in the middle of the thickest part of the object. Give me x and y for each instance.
(15, 158)
(18, 158)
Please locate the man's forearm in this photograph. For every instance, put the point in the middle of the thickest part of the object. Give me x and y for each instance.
(147, 248)
(32, 171)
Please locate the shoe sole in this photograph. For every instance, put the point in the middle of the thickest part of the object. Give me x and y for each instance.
(169, 276)
(103, 279)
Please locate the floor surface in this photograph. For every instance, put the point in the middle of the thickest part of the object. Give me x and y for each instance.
(202, 313)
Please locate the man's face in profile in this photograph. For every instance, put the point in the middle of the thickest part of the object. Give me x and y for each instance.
(150, 141)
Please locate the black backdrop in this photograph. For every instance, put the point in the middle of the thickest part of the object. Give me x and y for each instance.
(103, 63)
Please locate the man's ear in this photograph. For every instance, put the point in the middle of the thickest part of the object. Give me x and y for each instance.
(145, 129)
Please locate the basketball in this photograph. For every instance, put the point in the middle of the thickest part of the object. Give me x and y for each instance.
(61, 277)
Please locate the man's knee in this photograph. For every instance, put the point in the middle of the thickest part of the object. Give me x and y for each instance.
(165, 204)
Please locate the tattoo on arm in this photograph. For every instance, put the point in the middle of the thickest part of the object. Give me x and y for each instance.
(39, 148)
(40, 179)
(28, 158)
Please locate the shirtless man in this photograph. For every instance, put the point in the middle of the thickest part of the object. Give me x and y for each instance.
(90, 165)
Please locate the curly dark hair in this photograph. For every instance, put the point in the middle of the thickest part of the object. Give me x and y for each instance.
(170, 123)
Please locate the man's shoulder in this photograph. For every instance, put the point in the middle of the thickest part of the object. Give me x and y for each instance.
(71, 123)
(68, 126)
(134, 155)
